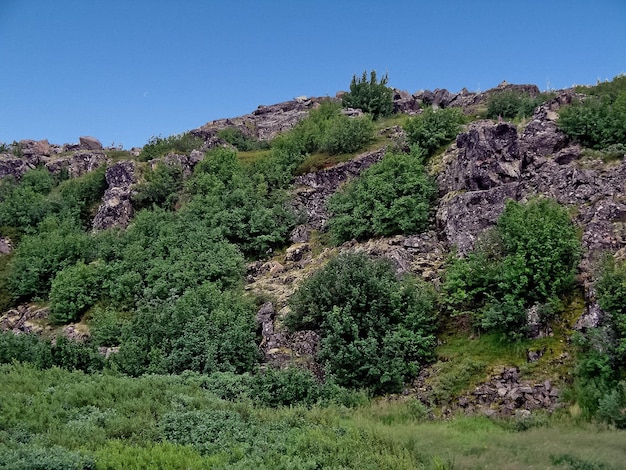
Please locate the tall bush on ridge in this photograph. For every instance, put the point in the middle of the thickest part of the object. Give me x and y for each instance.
(371, 96)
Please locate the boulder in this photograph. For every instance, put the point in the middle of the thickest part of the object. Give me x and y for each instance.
(90, 143)
(116, 209)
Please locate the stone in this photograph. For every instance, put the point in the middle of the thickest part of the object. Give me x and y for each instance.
(6, 245)
(90, 143)
(116, 209)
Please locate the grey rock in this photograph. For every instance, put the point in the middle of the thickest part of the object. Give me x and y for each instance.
(90, 143)
(116, 209)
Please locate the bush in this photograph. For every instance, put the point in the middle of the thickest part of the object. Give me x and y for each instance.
(238, 203)
(598, 121)
(611, 294)
(33, 457)
(371, 96)
(241, 141)
(160, 187)
(325, 129)
(179, 143)
(40, 257)
(393, 196)
(529, 259)
(204, 330)
(432, 129)
(511, 104)
(376, 330)
(74, 289)
(346, 135)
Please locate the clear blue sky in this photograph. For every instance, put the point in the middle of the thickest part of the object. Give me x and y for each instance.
(124, 70)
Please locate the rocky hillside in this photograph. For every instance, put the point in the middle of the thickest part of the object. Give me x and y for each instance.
(489, 163)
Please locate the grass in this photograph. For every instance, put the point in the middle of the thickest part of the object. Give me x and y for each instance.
(117, 421)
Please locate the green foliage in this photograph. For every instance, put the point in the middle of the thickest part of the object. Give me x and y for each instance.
(511, 104)
(371, 96)
(392, 196)
(160, 187)
(74, 289)
(204, 330)
(106, 325)
(325, 129)
(33, 457)
(39, 257)
(239, 203)
(42, 353)
(611, 294)
(242, 141)
(160, 146)
(528, 259)
(376, 330)
(24, 205)
(346, 135)
(79, 195)
(599, 120)
(432, 129)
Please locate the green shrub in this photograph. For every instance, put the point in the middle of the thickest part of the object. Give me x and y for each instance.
(370, 96)
(39, 257)
(326, 129)
(393, 196)
(79, 195)
(161, 187)
(528, 259)
(33, 457)
(106, 325)
(346, 135)
(24, 204)
(376, 330)
(598, 121)
(179, 143)
(611, 294)
(238, 203)
(74, 289)
(511, 104)
(432, 129)
(204, 330)
(241, 141)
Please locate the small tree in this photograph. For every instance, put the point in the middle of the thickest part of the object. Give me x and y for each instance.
(371, 96)
(376, 329)
(392, 196)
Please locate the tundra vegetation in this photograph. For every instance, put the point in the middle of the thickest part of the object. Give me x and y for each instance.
(187, 388)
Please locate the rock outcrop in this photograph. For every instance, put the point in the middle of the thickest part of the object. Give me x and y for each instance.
(116, 209)
(265, 122)
(314, 189)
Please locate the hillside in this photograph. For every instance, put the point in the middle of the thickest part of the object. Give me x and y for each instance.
(319, 275)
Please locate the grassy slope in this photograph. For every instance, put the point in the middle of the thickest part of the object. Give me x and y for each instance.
(118, 421)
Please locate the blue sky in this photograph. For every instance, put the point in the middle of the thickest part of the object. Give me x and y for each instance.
(125, 70)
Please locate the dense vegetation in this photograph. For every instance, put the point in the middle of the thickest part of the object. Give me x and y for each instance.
(393, 196)
(528, 259)
(376, 330)
(371, 96)
(433, 129)
(512, 104)
(159, 146)
(184, 386)
(599, 120)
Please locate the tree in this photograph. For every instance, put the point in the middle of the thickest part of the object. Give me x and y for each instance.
(376, 329)
(528, 259)
(371, 96)
(392, 196)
